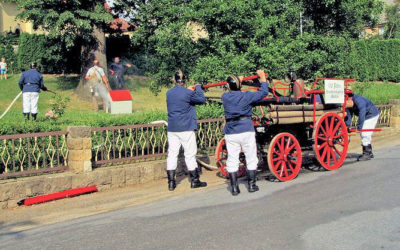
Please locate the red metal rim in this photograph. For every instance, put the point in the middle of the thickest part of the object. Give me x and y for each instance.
(285, 157)
(331, 141)
(221, 154)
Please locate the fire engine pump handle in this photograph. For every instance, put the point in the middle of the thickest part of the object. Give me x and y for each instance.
(249, 78)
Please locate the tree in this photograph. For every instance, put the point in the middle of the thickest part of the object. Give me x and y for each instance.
(392, 27)
(71, 22)
(338, 17)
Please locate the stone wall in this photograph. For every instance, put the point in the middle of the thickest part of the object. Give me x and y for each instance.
(16, 190)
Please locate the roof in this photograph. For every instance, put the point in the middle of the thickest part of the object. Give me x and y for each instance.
(120, 95)
(119, 24)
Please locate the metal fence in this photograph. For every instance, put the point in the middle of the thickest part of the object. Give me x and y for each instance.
(135, 142)
(384, 116)
(25, 154)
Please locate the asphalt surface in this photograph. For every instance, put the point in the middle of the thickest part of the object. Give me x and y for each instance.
(356, 207)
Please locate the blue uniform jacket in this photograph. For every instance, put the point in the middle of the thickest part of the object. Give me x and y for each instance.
(31, 81)
(363, 108)
(118, 68)
(239, 104)
(181, 108)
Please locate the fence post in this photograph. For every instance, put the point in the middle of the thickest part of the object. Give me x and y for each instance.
(79, 143)
(395, 114)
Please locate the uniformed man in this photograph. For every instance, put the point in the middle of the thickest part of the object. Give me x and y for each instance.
(239, 129)
(368, 116)
(117, 72)
(99, 85)
(30, 83)
(181, 126)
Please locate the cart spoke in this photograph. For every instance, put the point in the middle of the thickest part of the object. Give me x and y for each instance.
(322, 145)
(334, 157)
(328, 160)
(291, 147)
(290, 166)
(277, 159)
(322, 138)
(331, 126)
(336, 128)
(324, 153)
(285, 169)
(337, 151)
(339, 135)
(323, 130)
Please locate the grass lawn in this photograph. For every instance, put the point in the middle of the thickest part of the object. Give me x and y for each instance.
(65, 86)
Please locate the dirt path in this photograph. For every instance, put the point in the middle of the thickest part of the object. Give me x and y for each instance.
(24, 218)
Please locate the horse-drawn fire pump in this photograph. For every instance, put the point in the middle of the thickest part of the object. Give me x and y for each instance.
(295, 120)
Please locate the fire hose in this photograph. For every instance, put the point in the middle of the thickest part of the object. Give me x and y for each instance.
(15, 99)
(12, 103)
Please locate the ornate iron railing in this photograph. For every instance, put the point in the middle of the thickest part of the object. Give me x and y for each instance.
(135, 142)
(384, 116)
(26, 154)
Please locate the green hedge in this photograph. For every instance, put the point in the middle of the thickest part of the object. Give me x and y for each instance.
(375, 60)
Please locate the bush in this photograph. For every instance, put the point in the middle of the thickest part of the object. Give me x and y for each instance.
(7, 51)
(50, 54)
(375, 60)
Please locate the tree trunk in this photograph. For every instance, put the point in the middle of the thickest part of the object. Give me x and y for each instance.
(97, 50)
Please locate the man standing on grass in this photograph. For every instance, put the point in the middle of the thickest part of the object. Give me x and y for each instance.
(99, 85)
(182, 123)
(31, 82)
(3, 68)
(117, 72)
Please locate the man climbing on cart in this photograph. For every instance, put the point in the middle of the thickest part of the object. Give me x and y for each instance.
(368, 115)
(239, 129)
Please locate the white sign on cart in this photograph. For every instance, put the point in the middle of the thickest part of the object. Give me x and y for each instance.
(334, 91)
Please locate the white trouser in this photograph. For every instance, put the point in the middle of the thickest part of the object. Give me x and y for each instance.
(366, 137)
(188, 140)
(237, 142)
(102, 91)
(30, 102)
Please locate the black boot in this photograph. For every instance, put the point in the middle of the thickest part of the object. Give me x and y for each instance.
(26, 116)
(234, 183)
(34, 116)
(370, 151)
(171, 180)
(252, 179)
(365, 155)
(195, 180)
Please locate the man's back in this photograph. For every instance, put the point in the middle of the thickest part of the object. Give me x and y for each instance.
(181, 110)
(31, 81)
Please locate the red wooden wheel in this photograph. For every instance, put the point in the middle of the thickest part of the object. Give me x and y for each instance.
(331, 141)
(221, 154)
(284, 157)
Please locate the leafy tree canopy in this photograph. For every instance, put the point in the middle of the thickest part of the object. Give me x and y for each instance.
(243, 34)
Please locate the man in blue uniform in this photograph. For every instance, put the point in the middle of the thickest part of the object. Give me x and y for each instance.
(368, 115)
(117, 72)
(181, 126)
(31, 82)
(239, 129)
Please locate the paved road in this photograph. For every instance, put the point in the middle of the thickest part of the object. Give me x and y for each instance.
(357, 207)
